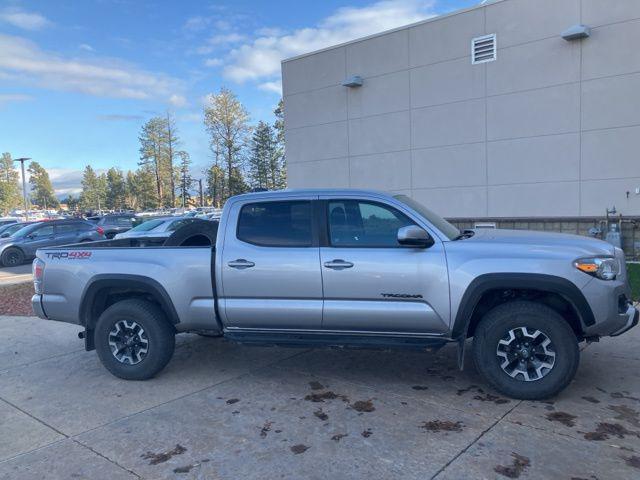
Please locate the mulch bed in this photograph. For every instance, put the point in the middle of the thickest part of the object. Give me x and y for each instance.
(16, 299)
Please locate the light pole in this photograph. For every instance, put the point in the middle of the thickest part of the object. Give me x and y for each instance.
(24, 185)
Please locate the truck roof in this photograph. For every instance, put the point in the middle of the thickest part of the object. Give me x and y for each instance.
(311, 191)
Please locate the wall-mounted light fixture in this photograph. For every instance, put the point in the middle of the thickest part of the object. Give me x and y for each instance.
(576, 32)
(353, 82)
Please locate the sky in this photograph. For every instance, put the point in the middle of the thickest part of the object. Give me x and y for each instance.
(78, 78)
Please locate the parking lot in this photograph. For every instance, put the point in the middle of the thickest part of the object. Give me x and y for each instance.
(226, 411)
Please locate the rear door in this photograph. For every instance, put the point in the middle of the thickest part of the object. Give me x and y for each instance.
(270, 266)
(67, 233)
(373, 284)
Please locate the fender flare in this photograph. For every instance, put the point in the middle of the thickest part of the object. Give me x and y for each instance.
(529, 281)
(124, 281)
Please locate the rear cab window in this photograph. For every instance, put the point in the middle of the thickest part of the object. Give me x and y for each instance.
(276, 224)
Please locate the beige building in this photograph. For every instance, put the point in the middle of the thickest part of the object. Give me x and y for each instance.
(538, 126)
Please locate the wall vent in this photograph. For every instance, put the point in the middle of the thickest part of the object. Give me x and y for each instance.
(483, 49)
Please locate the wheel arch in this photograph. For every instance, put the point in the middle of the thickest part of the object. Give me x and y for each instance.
(492, 289)
(105, 290)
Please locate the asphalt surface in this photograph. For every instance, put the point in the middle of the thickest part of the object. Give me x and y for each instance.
(223, 411)
(13, 275)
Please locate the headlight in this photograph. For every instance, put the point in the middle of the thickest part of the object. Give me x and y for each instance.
(604, 268)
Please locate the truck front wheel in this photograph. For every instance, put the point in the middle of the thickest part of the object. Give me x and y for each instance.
(134, 340)
(526, 350)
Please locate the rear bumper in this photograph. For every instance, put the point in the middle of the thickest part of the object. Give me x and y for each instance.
(36, 304)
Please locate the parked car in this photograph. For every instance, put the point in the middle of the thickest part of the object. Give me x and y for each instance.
(9, 229)
(22, 245)
(347, 268)
(159, 227)
(115, 224)
(8, 221)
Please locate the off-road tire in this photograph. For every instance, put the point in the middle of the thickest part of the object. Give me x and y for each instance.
(12, 257)
(498, 322)
(199, 233)
(159, 332)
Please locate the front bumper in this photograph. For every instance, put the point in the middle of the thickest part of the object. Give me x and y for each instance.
(633, 315)
(36, 304)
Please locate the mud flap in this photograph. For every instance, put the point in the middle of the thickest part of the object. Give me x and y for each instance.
(461, 344)
(89, 341)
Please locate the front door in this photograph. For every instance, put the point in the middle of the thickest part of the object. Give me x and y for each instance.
(373, 284)
(271, 275)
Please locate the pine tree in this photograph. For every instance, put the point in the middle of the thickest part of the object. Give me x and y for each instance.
(279, 165)
(10, 197)
(153, 139)
(171, 143)
(227, 122)
(90, 196)
(263, 151)
(42, 193)
(185, 180)
(116, 191)
(216, 185)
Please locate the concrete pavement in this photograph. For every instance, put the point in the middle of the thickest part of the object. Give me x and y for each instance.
(13, 275)
(224, 411)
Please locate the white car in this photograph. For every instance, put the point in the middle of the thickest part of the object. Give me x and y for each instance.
(161, 227)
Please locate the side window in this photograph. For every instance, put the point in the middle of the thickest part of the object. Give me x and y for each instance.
(276, 224)
(43, 232)
(123, 221)
(354, 223)
(67, 228)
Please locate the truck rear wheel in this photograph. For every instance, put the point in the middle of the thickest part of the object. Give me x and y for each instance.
(134, 340)
(526, 350)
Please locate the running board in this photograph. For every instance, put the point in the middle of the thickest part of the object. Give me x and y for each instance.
(335, 340)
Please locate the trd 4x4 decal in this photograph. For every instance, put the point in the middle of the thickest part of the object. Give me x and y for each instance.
(69, 255)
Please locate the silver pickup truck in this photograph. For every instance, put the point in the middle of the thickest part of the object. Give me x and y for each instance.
(351, 269)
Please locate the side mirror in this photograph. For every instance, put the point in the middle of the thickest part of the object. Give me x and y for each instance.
(414, 236)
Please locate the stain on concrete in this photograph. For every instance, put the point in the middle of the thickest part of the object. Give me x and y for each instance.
(316, 385)
(231, 401)
(605, 430)
(322, 396)
(519, 464)
(462, 391)
(157, 458)
(299, 448)
(624, 395)
(420, 387)
(487, 397)
(632, 461)
(442, 426)
(367, 433)
(626, 414)
(321, 415)
(591, 399)
(266, 428)
(363, 406)
(339, 436)
(564, 418)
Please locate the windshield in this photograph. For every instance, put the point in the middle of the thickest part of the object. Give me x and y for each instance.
(436, 220)
(24, 231)
(10, 230)
(148, 225)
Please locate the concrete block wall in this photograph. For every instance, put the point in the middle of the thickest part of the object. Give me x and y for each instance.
(549, 129)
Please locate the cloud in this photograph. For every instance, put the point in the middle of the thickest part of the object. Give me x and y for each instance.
(119, 117)
(86, 47)
(178, 101)
(13, 97)
(275, 87)
(213, 62)
(99, 77)
(22, 19)
(260, 59)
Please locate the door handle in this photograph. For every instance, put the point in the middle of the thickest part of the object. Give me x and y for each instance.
(338, 264)
(241, 264)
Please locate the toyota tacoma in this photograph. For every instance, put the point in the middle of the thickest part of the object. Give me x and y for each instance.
(346, 268)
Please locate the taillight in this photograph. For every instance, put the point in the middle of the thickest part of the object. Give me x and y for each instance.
(100, 230)
(38, 275)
